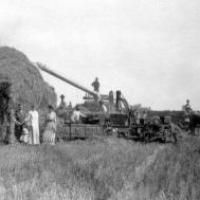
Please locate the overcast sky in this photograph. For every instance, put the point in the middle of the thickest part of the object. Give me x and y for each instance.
(149, 49)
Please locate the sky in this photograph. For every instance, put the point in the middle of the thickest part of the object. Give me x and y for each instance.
(148, 49)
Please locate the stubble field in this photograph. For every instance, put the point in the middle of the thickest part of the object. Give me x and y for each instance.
(101, 169)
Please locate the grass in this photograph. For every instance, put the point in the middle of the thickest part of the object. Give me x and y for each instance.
(101, 169)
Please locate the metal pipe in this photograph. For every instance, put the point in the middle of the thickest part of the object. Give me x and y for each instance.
(76, 85)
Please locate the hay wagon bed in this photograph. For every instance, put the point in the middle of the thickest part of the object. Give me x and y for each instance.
(73, 131)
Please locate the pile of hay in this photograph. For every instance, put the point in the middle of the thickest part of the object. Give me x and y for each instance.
(28, 86)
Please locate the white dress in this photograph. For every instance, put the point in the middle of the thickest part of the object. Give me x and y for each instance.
(50, 129)
(33, 119)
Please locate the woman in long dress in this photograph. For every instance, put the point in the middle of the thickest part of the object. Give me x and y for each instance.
(49, 134)
(33, 123)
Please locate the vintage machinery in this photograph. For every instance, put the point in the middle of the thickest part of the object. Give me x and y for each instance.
(159, 128)
(119, 120)
(119, 114)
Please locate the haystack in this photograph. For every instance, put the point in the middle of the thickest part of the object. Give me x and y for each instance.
(27, 85)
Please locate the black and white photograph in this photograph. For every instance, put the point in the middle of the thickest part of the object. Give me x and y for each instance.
(99, 100)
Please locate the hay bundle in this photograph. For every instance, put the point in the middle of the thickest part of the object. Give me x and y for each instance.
(27, 84)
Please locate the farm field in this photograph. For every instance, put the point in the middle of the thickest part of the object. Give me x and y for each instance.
(101, 169)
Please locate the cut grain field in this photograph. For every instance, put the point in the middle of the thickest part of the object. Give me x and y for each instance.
(101, 169)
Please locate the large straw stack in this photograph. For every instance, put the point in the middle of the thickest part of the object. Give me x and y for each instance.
(28, 86)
